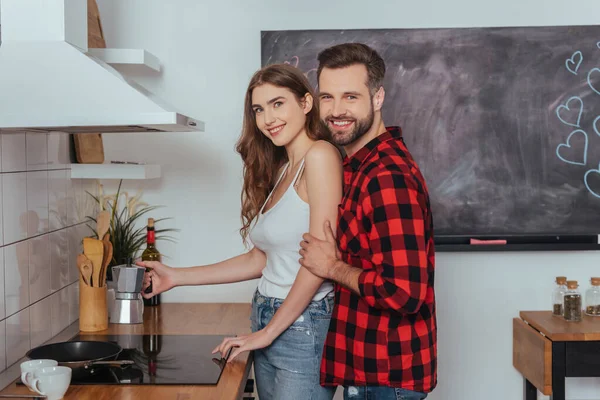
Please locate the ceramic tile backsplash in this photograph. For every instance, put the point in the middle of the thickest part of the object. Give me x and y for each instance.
(59, 311)
(42, 215)
(40, 318)
(57, 198)
(58, 150)
(14, 153)
(39, 268)
(16, 277)
(37, 203)
(73, 302)
(17, 336)
(75, 195)
(3, 344)
(74, 235)
(14, 206)
(36, 145)
(59, 260)
(1, 212)
(2, 305)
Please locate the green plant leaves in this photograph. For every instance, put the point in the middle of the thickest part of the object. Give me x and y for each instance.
(127, 240)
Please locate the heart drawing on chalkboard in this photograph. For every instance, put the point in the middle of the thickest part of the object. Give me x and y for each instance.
(574, 61)
(295, 64)
(598, 45)
(570, 152)
(589, 79)
(595, 175)
(596, 128)
(565, 108)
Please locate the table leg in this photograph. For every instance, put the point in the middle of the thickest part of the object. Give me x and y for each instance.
(529, 391)
(559, 370)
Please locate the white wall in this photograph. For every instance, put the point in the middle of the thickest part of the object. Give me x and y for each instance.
(41, 227)
(209, 50)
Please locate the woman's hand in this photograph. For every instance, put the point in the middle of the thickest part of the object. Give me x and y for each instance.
(161, 276)
(254, 341)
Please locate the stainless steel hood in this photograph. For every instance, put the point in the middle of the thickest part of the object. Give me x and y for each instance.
(48, 82)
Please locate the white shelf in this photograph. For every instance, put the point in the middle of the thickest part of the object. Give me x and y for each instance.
(114, 171)
(126, 56)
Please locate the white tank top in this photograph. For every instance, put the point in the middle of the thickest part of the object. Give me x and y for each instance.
(278, 233)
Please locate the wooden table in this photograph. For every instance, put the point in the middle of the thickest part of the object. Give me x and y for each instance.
(548, 349)
(176, 319)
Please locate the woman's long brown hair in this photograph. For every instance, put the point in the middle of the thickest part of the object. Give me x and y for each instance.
(262, 159)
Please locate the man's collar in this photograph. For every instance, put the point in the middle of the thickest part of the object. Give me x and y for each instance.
(356, 160)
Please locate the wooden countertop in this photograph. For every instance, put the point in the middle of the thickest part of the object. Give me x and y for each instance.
(557, 329)
(176, 319)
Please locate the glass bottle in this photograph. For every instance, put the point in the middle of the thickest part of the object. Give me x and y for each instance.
(592, 298)
(572, 302)
(152, 342)
(558, 296)
(151, 254)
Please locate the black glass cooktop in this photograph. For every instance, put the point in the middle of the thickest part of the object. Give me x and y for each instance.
(159, 360)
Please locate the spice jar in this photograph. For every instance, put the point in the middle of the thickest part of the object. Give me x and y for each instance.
(592, 298)
(572, 302)
(558, 296)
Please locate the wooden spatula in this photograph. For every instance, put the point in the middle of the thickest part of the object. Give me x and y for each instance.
(94, 250)
(102, 223)
(108, 253)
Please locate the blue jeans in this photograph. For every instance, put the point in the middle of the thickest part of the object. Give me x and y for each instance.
(380, 393)
(289, 368)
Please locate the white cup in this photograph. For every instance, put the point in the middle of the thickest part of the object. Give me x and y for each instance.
(51, 382)
(28, 367)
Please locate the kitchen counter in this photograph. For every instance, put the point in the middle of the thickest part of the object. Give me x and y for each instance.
(176, 319)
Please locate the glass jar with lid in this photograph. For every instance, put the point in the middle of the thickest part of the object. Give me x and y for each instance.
(558, 296)
(572, 302)
(592, 298)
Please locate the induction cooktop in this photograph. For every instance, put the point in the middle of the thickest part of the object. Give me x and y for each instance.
(159, 360)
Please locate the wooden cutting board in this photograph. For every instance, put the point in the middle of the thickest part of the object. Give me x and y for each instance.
(89, 148)
(95, 35)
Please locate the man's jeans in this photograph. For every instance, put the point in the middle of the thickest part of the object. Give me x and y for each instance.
(380, 393)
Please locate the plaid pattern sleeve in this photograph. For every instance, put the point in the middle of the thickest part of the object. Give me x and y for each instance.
(387, 334)
(396, 232)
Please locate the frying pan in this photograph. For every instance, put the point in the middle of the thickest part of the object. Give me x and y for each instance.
(81, 356)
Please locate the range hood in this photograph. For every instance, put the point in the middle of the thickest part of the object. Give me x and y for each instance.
(49, 82)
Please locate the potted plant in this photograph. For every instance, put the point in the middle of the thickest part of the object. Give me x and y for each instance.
(127, 237)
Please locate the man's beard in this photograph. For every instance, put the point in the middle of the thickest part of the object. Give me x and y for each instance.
(361, 126)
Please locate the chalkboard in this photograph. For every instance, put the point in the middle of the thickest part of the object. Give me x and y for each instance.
(503, 122)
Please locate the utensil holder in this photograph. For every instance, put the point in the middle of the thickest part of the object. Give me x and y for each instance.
(93, 310)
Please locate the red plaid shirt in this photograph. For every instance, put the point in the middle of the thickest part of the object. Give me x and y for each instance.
(387, 336)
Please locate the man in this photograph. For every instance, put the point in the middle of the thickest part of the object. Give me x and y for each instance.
(382, 340)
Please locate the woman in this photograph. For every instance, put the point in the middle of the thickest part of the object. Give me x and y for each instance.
(292, 185)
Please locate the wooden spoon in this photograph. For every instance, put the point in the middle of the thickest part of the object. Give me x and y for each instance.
(87, 271)
(102, 223)
(85, 267)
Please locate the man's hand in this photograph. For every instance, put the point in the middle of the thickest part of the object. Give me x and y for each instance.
(322, 258)
(319, 256)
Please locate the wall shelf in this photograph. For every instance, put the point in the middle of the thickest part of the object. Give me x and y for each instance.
(126, 56)
(115, 171)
